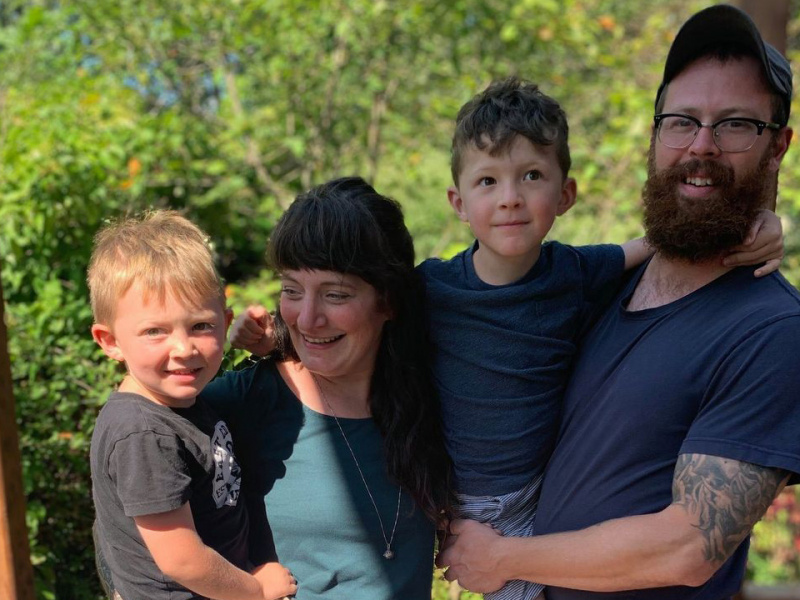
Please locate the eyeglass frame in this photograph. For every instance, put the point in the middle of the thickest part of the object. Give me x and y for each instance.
(760, 125)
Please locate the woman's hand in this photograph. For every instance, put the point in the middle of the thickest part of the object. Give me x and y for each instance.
(253, 331)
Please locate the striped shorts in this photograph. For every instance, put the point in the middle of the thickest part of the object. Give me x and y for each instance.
(512, 514)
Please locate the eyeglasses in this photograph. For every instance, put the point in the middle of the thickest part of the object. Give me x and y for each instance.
(734, 134)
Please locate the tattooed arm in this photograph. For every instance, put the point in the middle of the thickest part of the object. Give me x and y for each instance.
(716, 502)
(723, 500)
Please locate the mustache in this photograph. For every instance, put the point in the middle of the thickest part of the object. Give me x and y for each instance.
(722, 175)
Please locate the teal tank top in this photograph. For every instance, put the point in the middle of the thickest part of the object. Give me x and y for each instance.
(325, 527)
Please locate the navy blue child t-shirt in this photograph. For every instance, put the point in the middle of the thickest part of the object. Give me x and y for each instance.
(502, 355)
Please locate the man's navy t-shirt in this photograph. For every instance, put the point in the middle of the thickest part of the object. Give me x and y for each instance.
(713, 373)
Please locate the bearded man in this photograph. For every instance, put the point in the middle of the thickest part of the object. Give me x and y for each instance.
(681, 420)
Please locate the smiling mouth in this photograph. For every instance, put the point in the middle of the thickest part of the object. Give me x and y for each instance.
(699, 181)
(184, 371)
(512, 224)
(322, 340)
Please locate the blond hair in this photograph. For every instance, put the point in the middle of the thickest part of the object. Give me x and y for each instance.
(159, 250)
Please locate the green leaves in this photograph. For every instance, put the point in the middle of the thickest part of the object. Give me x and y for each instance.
(226, 109)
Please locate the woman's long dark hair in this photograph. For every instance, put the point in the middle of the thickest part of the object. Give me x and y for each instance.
(346, 226)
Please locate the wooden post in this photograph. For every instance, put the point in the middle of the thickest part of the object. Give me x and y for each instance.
(771, 18)
(16, 575)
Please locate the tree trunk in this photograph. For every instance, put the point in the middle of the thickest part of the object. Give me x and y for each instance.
(16, 576)
(771, 18)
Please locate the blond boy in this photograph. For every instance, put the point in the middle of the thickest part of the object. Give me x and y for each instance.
(166, 485)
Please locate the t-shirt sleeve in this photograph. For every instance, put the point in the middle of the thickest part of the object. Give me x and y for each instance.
(602, 268)
(228, 393)
(150, 473)
(245, 399)
(751, 411)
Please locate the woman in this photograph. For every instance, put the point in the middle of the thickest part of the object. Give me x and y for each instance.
(339, 428)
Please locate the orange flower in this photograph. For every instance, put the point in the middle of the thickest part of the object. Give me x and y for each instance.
(134, 167)
(607, 22)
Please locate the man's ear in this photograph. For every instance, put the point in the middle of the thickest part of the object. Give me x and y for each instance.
(457, 202)
(105, 338)
(782, 142)
(569, 192)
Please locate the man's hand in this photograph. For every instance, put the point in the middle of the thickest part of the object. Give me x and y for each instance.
(253, 331)
(468, 554)
(276, 581)
(764, 242)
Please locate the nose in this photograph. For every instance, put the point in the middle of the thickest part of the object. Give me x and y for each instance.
(703, 144)
(510, 196)
(310, 315)
(182, 345)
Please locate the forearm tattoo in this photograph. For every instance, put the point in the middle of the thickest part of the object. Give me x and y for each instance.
(724, 497)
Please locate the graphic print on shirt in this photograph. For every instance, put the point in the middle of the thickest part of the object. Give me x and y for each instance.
(227, 474)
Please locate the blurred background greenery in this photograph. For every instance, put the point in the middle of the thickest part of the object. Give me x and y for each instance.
(225, 110)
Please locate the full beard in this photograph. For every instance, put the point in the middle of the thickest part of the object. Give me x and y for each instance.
(693, 229)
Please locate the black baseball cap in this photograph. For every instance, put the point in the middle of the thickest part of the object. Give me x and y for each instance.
(725, 24)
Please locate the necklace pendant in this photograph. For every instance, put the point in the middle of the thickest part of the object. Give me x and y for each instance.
(388, 555)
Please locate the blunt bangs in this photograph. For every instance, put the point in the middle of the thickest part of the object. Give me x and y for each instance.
(346, 227)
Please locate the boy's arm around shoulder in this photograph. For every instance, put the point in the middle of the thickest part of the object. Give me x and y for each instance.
(763, 244)
(636, 252)
(179, 552)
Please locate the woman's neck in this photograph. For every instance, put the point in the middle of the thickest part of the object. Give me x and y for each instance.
(346, 397)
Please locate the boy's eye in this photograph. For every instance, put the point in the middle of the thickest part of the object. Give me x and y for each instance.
(203, 327)
(532, 175)
(153, 331)
(486, 181)
(289, 292)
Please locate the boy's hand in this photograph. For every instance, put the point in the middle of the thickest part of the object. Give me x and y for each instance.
(276, 581)
(253, 331)
(764, 242)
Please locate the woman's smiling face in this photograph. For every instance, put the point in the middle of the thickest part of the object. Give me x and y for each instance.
(335, 321)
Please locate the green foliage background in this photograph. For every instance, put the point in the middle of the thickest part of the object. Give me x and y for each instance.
(225, 109)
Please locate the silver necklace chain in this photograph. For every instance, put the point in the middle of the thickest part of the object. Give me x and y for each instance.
(389, 553)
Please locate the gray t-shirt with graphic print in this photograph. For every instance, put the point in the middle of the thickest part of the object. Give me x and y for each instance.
(148, 459)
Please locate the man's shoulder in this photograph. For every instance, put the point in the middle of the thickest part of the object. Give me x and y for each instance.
(769, 296)
(738, 308)
(783, 290)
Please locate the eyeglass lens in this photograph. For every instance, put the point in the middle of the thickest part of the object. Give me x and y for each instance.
(729, 135)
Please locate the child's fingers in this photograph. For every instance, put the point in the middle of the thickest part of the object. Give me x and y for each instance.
(257, 313)
(253, 328)
(769, 267)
